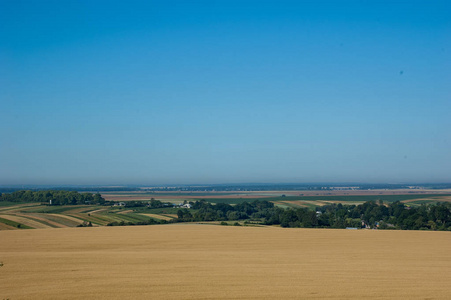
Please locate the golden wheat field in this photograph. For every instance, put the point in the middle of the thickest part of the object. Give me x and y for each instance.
(189, 261)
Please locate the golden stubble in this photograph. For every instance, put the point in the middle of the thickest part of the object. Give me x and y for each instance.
(189, 261)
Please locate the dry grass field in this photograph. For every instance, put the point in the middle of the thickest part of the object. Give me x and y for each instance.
(188, 261)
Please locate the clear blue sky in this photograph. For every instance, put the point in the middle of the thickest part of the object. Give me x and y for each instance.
(165, 92)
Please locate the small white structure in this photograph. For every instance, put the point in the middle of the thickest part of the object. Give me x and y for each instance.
(187, 205)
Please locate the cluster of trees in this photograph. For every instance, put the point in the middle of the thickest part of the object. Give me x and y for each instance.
(150, 204)
(60, 197)
(395, 215)
(139, 204)
(54, 197)
(204, 211)
(158, 204)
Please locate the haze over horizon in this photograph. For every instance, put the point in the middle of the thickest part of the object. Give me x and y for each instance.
(177, 92)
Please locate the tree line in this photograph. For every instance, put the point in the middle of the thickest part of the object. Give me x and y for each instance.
(371, 214)
(60, 197)
(54, 197)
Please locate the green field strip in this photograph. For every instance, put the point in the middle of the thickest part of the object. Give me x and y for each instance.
(37, 219)
(310, 205)
(61, 220)
(75, 209)
(94, 220)
(137, 217)
(159, 217)
(72, 219)
(419, 202)
(293, 205)
(89, 210)
(109, 217)
(16, 204)
(157, 211)
(53, 209)
(15, 224)
(281, 205)
(100, 219)
(169, 216)
(131, 218)
(7, 203)
(18, 207)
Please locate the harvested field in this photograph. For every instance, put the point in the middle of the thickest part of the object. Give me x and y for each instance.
(159, 217)
(223, 262)
(294, 204)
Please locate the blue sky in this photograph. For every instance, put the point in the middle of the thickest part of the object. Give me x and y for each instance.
(184, 92)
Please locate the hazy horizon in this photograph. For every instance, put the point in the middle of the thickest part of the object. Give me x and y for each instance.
(176, 92)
